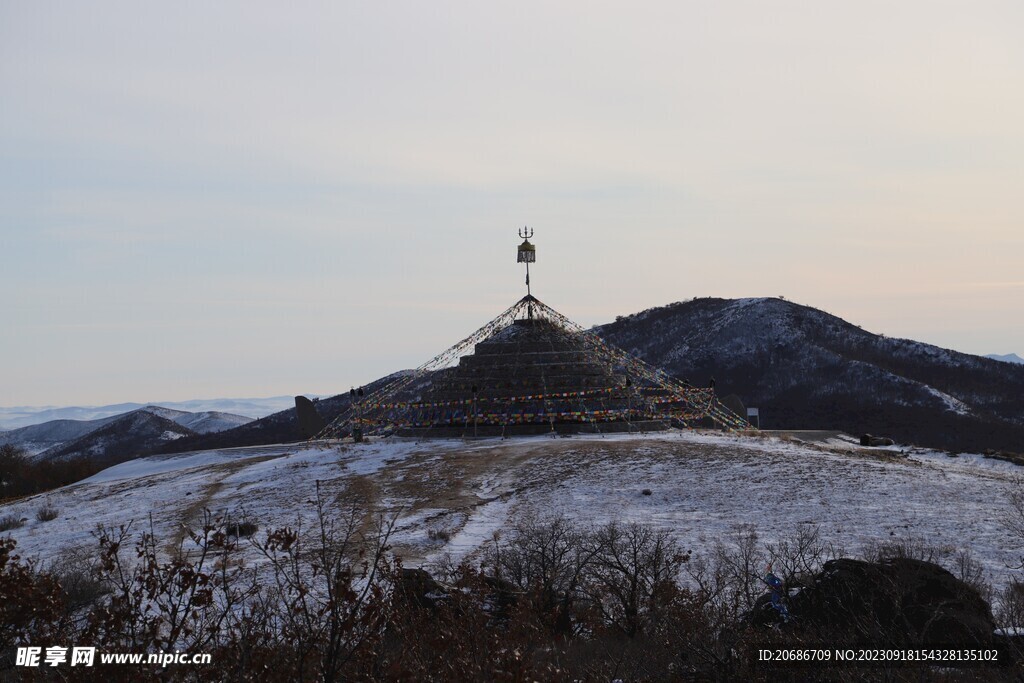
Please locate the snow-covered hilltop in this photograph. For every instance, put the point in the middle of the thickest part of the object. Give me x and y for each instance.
(452, 496)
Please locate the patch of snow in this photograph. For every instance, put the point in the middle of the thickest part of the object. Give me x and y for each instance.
(1010, 631)
(486, 520)
(952, 403)
(140, 468)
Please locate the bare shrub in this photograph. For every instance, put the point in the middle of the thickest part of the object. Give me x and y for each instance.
(9, 522)
(1010, 611)
(333, 607)
(156, 603)
(911, 548)
(797, 559)
(968, 569)
(465, 639)
(31, 610)
(47, 513)
(242, 529)
(78, 573)
(239, 524)
(740, 562)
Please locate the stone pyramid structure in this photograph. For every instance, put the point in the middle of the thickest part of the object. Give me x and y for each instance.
(531, 370)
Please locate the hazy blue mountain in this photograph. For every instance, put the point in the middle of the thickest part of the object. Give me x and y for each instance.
(1006, 358)
(23, 416)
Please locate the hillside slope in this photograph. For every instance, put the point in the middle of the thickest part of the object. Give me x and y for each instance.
(805, 368)
(136, 433)
(38, 438)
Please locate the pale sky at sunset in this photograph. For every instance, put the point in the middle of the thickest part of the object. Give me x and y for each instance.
(249, 198)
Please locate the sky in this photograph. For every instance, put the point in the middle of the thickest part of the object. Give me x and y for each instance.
(251, 198)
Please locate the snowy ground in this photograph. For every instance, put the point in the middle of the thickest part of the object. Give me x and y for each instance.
(703, 485)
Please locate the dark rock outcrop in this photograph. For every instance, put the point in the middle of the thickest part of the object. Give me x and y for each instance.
(420, 589)
(311, 422)
(875, 441)
(898, 602)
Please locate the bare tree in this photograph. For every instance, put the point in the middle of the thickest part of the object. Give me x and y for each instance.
(334, 605)
(803, 554)
(630, 567)
(544, 557)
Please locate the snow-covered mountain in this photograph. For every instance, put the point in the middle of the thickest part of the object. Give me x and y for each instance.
(201, 423)
(123, 438)
(37, 438)
(804, 368)
(1006, 358)
(63, 435)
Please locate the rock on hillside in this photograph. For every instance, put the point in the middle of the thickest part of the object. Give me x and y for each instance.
(899, 601)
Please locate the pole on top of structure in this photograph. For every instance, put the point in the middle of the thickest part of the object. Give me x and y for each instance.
(527, 254)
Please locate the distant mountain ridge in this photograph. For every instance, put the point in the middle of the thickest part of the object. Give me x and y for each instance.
(24, 416)
(63, 436)
(38, 438)
(126, 437)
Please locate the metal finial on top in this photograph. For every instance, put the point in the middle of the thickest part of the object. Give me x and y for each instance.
(527, 254)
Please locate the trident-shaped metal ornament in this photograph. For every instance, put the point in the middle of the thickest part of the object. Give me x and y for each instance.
(527, 254)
